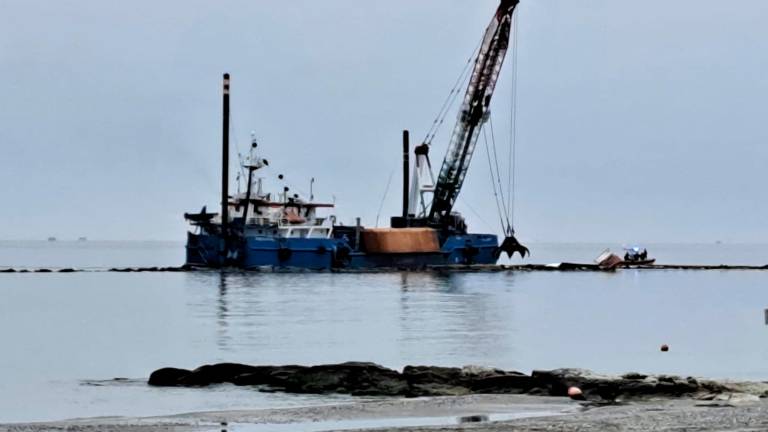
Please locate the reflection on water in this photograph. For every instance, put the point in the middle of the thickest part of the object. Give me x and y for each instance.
(223, 339)
(465, 322)
(400, 316)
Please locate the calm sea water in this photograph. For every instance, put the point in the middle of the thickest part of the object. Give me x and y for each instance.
(64, 336)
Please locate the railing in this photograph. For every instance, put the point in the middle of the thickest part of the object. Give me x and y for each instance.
(289, 230)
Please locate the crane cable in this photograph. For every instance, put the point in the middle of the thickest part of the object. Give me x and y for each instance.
(506, 224)
(505, 204)
(504, 212)
(493, 179)
(384, 197)
(512, 151)
(452, 96)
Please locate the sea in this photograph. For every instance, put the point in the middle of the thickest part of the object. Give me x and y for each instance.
(82, 344)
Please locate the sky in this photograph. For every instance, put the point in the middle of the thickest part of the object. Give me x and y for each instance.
(636, 122)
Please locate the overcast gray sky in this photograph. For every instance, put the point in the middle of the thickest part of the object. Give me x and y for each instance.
(637, 121)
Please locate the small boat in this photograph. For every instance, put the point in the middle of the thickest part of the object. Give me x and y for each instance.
(634, 256)
(639, 262)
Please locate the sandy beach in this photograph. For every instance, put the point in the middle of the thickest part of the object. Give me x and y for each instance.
(478, 412)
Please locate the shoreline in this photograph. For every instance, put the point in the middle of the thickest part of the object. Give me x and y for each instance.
(482, 413)
(431, 398)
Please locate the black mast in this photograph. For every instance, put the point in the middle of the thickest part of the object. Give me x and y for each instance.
(225, 164)
(406, 168)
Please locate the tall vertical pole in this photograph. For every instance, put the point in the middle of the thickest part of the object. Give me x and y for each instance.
(406, 168)
(247, 197)
(225, 162)
(358, 228)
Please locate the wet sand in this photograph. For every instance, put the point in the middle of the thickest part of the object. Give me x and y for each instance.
(495, 412)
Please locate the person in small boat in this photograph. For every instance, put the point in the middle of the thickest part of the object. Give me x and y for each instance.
(635, 255)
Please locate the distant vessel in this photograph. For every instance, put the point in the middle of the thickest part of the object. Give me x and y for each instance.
(51, 239)
(257, 228)
(633, 255)
(82, 239)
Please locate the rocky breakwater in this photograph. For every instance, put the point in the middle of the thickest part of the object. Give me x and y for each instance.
(369, 379)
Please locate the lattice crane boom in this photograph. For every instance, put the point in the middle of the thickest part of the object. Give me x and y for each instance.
(473, 112)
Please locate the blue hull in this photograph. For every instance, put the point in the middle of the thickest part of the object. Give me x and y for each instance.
(313, 254)
(331, 253)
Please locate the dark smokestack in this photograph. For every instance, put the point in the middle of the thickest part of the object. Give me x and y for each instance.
(406, 168)
(225, 158)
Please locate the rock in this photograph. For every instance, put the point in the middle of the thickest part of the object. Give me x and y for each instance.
(168, 377)
(712, 386)
(629, 388)
(67, 270)
(706, 396)
(737, 399)
(146, 269)
(609, 387)
(511, 383)
(370, 379)
(275, 376)
(676, 386)
(634, 376)
(713, 404)
(728, 400)
(9, 270)
(217, 373)
(279, 375)
(558, 381)
(759, 389)
(433, 375)
(43, 270)
(172, 269)
(436, 381)
(351, 378)
(474, 371)
(478, 418)
(249, 379)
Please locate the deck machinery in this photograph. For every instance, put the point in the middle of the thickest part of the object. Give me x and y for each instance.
(256, 229)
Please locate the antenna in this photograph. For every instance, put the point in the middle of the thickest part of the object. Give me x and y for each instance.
(311, 189)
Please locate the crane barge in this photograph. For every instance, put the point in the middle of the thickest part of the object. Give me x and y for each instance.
(257, 229)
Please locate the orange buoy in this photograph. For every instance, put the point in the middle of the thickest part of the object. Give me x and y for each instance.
(575, 393)
(664, 348)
